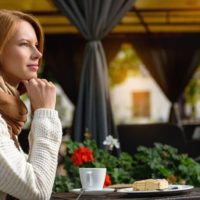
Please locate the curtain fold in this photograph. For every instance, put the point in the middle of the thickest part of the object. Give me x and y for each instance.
(94, 19)
(172, 60)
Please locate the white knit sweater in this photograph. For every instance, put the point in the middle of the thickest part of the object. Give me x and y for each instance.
(31, 177)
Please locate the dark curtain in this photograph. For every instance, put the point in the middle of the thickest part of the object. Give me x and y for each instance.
(171, 60)
(62, 57)
(94, 19)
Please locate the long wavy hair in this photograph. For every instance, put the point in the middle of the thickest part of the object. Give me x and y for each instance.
(9, 20)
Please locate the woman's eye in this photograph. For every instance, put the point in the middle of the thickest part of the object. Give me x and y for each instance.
(24, 44)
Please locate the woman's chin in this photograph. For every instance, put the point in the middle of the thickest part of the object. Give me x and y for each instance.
(31, 76)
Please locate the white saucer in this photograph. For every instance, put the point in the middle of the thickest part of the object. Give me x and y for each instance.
(93, 192)
(173, 189)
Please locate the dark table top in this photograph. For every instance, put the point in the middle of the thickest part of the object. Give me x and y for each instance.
(189, 195)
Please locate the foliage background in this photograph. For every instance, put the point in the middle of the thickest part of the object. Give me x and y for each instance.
(160, 161)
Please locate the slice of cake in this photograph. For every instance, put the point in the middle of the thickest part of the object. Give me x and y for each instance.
(150, 184)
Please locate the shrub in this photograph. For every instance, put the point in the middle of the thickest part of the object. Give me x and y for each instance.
(160, 161)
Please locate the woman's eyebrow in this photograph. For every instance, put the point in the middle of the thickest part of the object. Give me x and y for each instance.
(28, 40)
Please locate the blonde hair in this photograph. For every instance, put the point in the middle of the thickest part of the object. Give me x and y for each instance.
(9, 19)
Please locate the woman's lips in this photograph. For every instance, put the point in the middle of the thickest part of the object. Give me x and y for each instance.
(33, 68)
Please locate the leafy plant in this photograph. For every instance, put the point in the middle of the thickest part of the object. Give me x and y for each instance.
(163, 161)
(160, 161)
(192, 91)
(87, 154)
(125, 62)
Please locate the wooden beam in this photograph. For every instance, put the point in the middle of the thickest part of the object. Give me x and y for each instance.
(53, 20)
(28, 5)
(167, 4)
(175, 29)
(60, 30)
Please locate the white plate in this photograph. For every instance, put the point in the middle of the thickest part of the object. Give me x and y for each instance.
(173, 189)
(93, 192)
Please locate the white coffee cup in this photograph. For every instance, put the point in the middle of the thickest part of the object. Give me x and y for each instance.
(92, 178)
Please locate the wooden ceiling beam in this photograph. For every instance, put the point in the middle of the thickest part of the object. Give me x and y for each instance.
(166, 9)
(124, 29)
(60, 30)
(174, 29)
(142, 20)
(28, 5)
(184, 4)
(146, 16)
(54, 20)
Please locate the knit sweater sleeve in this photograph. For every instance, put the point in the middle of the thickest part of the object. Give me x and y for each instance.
(33, 178)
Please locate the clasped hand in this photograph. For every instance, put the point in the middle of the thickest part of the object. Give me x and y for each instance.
(42, 93)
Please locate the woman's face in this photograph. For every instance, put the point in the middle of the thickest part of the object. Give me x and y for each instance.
(20, 57)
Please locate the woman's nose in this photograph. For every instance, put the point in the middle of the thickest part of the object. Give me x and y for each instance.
(36, 54)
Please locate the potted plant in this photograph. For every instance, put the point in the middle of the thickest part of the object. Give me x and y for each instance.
(87, 154)
(160, 161)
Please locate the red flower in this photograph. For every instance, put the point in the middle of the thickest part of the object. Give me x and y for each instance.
(107, 181)
(81, 156)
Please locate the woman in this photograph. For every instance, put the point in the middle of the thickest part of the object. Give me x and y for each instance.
(25, 176)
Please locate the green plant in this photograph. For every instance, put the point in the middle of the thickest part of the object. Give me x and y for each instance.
(192, 91)
(87, 154)
(125, 63)
(160, 161)
(163, 161)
